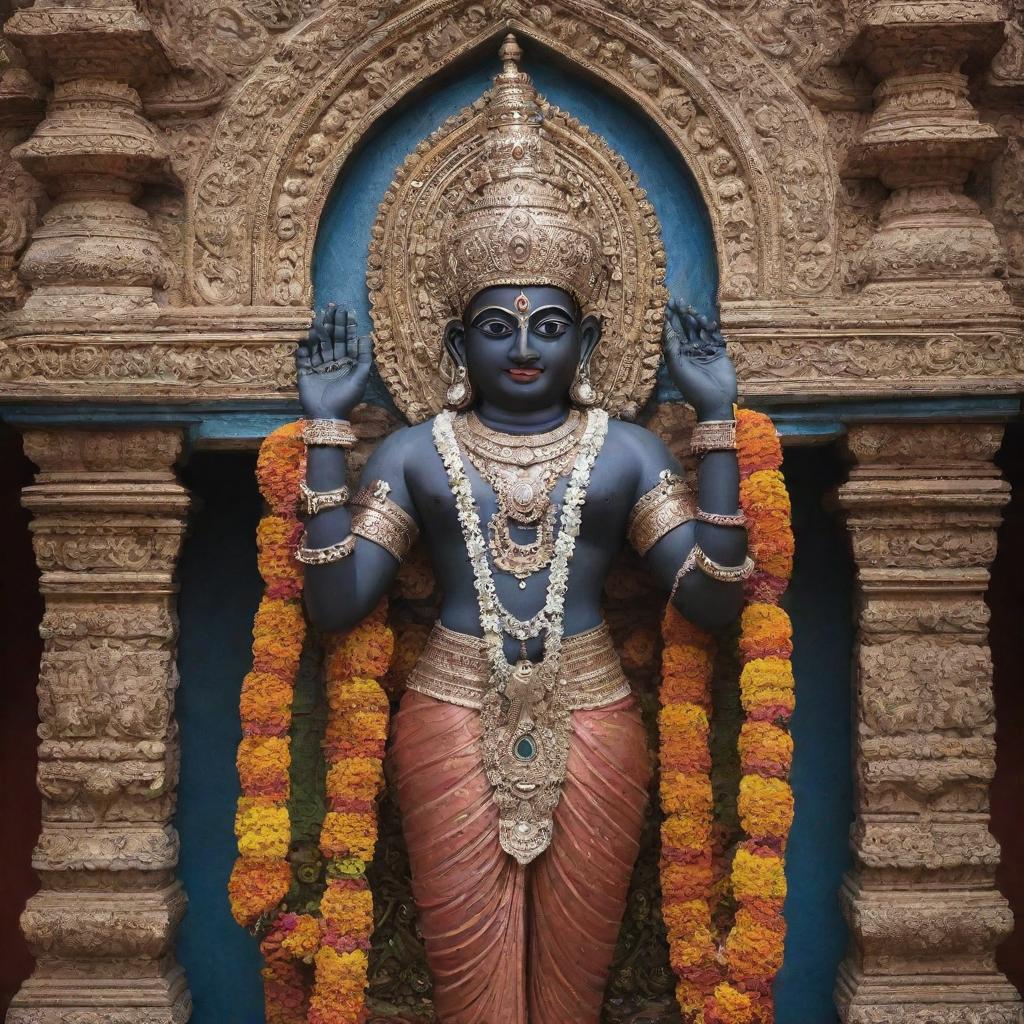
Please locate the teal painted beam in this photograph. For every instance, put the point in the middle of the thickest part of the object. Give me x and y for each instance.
(236, 423)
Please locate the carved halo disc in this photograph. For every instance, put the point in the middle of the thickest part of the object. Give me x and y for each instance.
(406, 300)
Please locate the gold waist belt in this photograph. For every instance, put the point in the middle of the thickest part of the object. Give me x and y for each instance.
(453, 667)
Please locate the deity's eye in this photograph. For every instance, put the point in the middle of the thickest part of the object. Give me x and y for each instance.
(551, 328)
(494, 328)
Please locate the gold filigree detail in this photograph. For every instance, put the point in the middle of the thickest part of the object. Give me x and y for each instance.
(511, 191)
(665, 506)
(377, 518)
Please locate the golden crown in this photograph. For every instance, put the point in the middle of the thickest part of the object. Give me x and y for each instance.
(527, 218)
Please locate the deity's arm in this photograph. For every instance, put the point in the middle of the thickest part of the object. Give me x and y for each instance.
(382, 519)
(665, 529)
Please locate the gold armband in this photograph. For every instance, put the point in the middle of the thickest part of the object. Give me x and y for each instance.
(376, 517)
(720, 518)
(319, 501)
(713, 436)
(325, 556)
(335, 433)
(696, 559)
(665, 506)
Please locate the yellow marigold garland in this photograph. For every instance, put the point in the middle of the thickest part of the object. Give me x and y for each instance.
(727, 980)
(334, 941)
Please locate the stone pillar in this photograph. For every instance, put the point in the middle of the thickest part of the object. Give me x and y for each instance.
(923, 503)
(108, 519)
(933, 245)
(95, 250)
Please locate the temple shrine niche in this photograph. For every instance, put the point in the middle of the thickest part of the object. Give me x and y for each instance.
(513, 512)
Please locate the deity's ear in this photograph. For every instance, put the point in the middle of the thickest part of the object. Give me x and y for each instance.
(454, 339)
(590, 335)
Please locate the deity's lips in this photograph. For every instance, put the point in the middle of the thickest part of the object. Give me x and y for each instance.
(524, 374)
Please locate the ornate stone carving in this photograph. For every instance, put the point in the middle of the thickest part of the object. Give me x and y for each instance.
(753, 144)
(922, 141)
(922, 506)
(94, 151)
(107, 526)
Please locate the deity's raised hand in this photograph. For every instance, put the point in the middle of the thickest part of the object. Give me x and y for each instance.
(698, 362)
(332, 365)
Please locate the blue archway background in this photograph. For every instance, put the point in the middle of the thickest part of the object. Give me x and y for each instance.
(220, 586)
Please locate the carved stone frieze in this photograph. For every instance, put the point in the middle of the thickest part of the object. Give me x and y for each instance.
(94, 151)
(108, 519)
(922, 506)
(923, 140)
(753, 144)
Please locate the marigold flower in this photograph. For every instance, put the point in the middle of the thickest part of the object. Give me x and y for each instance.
(765, 632)
(338, 989)
(278, 632)
(262, 829)
(758, 876)
(355, 778)
(755, 947)
(277, 538)
(767, 683)
(638, 650)
(410, 640)
(765, 806)
(757, 442)
(263, 763)
(301, 936)
(364, 651)
(686, 796)
(280, 467)
(765, 749)
(256, 887)
(265, 704)
(346, 834)
(349, 694)
(729, 1006)
(415, 580)
(348, 906)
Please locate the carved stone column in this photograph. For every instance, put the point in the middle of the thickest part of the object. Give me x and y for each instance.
(108, 518)
(95, 250)
(923, 503)
(933, 244)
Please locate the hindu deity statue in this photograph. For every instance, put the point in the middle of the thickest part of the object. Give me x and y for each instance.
(517, 272)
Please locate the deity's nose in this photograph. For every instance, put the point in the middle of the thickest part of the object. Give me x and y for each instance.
(521, 351)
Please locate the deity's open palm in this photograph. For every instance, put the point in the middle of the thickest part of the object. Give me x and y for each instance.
(698, 362)
(332, 365)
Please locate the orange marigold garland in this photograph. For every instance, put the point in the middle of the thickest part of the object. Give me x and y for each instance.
(333, 943)
(728, 981)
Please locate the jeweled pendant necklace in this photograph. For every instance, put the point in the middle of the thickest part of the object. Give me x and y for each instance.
(526, 722)
(522, 476)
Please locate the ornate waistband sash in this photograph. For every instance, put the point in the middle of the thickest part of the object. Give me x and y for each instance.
(454, 668)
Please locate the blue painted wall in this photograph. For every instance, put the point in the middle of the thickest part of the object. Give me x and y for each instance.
(220, 586)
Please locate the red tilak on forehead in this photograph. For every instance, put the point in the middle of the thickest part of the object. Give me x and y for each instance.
(522, 303)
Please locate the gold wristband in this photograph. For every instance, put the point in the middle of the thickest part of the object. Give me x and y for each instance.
(319, 501)
(334, 433)
(713, 436)
(665, 506)
(327, 555)
(377, 518)
(720, 518)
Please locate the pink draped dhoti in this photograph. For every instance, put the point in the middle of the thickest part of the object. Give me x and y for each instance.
(509, 944)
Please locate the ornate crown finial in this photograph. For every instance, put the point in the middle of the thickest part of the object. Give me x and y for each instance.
(528, 218)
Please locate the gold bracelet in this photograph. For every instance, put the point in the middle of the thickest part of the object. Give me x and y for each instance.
(319, 501)
(665, 506)
(327, 555)
(334, 433)
(377, 518)
(723, 573)
(720, 518)
(713, 436)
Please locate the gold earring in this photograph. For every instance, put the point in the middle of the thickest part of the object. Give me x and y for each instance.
(582, 391)
(460, 391)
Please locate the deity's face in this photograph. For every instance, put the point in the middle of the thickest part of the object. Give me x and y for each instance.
(522, 346)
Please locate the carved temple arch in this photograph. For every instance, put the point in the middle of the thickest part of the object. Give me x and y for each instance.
(753, 145)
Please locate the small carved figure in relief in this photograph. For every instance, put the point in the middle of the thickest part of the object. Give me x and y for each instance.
(520, 758)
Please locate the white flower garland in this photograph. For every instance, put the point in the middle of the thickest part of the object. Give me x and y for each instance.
(494, 617)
